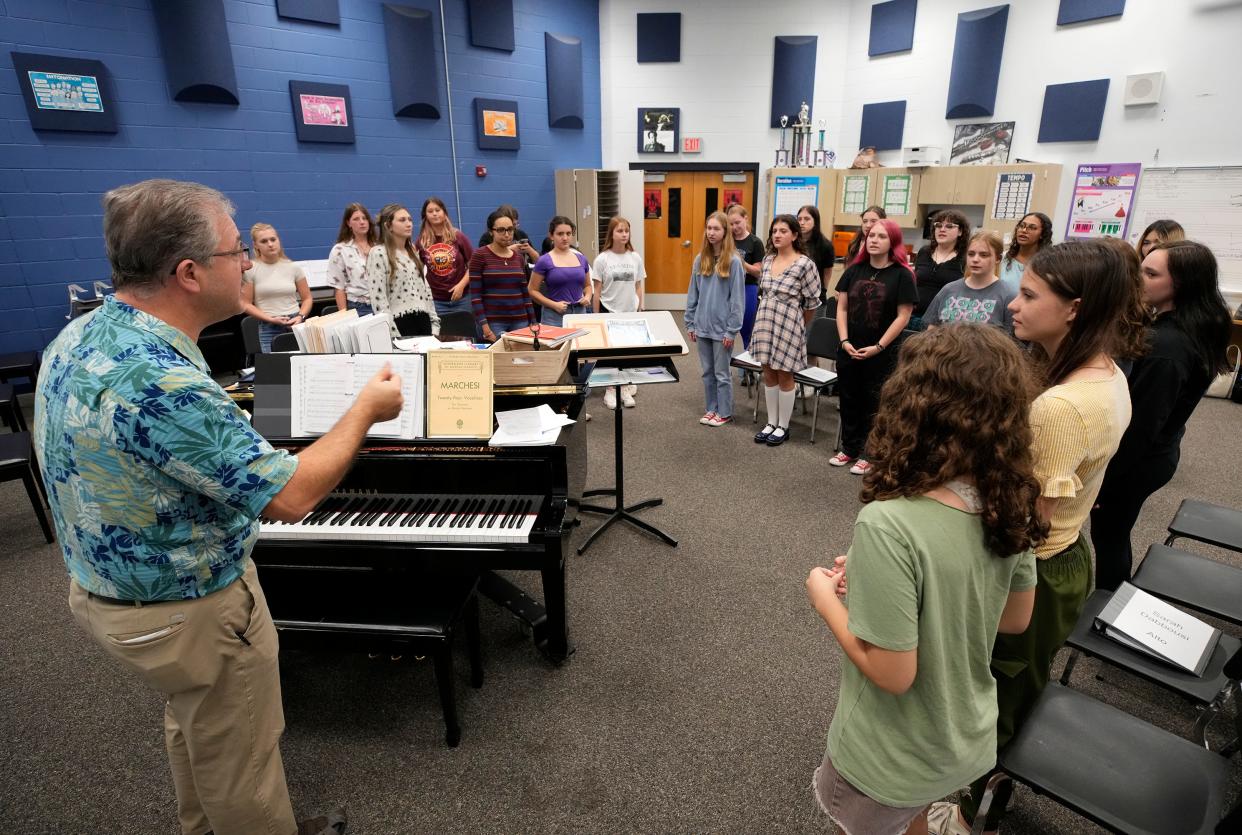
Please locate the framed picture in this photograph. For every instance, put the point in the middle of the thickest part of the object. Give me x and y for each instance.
(659, 130)
(322, 112)
(981, 143)
(496, 124)
(73, 94)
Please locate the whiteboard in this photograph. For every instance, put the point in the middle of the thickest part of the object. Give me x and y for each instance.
(1207, 202)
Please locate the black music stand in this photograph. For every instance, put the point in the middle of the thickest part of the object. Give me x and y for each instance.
(622, 358)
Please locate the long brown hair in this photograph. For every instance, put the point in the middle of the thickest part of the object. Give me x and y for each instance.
(957, 406)
(613, 223)
(1198, 307)
(1111, 317)
(428, 236)
(386, 238)
(717, 262)
(346, 234)
(1045, 235)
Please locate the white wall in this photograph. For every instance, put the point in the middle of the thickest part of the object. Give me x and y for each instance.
(723, 82)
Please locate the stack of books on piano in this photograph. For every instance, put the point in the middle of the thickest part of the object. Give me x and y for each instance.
(345, 332)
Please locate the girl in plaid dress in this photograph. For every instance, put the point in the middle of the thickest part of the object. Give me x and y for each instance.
(789, 289)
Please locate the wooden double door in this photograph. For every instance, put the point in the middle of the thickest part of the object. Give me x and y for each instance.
(674, 212)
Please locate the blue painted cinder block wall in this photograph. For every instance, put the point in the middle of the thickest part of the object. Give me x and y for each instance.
(51, 183)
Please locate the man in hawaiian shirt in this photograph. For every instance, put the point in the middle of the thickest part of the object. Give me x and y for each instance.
(156, 482)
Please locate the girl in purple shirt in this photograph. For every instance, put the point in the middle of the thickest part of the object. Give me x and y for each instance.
(561, 280)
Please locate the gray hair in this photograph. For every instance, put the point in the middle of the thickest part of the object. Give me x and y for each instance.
(151, 226)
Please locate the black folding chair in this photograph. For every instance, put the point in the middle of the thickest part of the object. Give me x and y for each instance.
(1190, 580)
(821, 342)
(1210, 523)
(1209, 692)
(250, 337)
(457, 323)
(1117, 770)
(284, 342)
(417, 323)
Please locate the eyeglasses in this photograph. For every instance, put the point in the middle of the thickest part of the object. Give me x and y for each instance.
(1029, 227)
(944, 224)
(243, 251)
(502, 230)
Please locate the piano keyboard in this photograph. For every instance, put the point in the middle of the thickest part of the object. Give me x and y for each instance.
(391, 517)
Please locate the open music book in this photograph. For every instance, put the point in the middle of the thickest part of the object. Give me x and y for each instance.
(322, 387)
(1147, 624)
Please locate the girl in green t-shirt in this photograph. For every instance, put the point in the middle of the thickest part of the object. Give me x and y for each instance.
(941, 561)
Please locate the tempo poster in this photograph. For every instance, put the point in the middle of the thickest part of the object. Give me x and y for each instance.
(1012, 200)
(63, 91)
(792, 193)
(1102, 201)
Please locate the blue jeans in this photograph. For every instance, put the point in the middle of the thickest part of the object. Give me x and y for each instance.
(500, 326)
(461, 305)
(557, 320)
(363, 308)
(717, 382)
(267, 332)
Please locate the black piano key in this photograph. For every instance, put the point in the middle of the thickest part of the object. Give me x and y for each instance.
(511, 506)
(416, 512)
(465, 519)
(460, 515)
(367, 512)
(349, 510)
(323, 511)
(521, 517)
(489, 516)
(398, 512)
(474, 515)
(444, 514)
(429, 512)
(381, 511)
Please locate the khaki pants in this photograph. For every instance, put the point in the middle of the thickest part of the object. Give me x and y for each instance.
(215, 661)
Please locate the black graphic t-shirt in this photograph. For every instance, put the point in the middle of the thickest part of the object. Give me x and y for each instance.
(751, 251)
(874, 296)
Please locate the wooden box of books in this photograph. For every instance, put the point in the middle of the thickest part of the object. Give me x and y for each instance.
(517, 363)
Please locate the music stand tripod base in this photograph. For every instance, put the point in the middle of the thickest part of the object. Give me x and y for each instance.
(619, 512)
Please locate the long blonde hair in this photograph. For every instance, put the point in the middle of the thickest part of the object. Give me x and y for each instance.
(717, 262)
(993, 242)
(386, 238)
(254, 240)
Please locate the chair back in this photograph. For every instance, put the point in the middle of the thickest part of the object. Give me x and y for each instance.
(284, 342)
(457, 323)
(829, 306)
(328, 310)
(250, 335)
(417, 323)
(823, 339)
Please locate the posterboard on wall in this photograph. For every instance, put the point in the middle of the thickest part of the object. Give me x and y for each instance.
(854, 191)
(1012, 200)
(895, 194)
(792, 193)
(1207, 202)
(1103, 198)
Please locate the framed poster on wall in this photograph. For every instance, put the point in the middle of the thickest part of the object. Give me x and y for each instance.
(72, 94)
(496, 124)
(322, 112)
(659, 130)
(981, 143)
(1103, 198)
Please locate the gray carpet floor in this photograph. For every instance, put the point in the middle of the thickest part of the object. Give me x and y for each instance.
(697, 701)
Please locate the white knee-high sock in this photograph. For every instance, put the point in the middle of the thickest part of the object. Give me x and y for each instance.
(786, 407)
(770, 395)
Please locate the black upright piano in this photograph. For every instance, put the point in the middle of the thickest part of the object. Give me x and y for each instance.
(438, 504)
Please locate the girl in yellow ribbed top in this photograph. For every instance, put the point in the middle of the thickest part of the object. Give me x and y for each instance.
(1080, 306)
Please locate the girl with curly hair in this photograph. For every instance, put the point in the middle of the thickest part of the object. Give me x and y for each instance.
(1033, 233)
(941, 561)
(1081, 307)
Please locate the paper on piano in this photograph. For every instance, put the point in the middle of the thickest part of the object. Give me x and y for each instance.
(606, 377)
(322, 387)
(1146, 623)
(423, 344)
(536, 426)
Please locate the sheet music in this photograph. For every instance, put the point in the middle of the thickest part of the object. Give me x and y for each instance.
(323, 386)
(626, 332)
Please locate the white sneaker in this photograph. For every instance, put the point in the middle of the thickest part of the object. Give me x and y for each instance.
(627, 399)
(610, 397)
(861, 467)
(943, 819)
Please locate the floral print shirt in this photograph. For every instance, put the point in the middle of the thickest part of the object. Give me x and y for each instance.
(155, 477)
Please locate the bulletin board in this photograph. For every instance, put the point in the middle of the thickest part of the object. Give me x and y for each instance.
(1207, 202)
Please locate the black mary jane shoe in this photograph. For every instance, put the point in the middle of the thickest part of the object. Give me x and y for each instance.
(777, 440)
(761, 437)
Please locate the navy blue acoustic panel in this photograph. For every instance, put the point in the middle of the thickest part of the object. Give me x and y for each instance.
(1076, 11)
(563, 60)
(410, 35)
(883, 125)
(793, 76)
(892, 27)
(659, 37)
(976, 62)
(491, 24)
(1073, 112)
(198, 59)
(316, 11)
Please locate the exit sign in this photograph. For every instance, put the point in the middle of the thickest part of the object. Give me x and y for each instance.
(692, 145)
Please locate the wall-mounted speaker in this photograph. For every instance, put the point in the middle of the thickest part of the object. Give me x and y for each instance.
(1144, 88)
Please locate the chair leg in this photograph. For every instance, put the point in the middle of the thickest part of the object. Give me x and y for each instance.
(472, 642)
(448, 699)
(36, 500)
(985, 803)
(1069, 667)
(815, 418)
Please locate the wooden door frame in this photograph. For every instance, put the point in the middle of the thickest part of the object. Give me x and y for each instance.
(709, 167)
